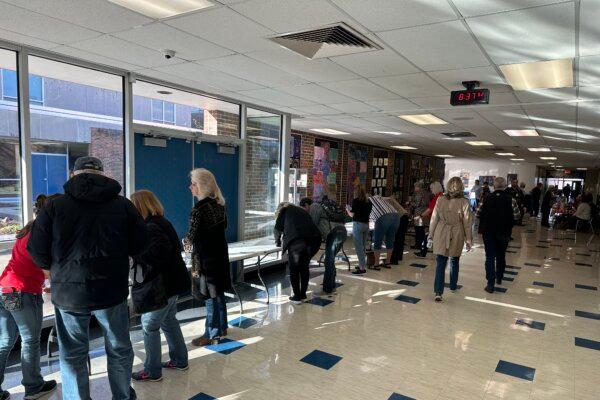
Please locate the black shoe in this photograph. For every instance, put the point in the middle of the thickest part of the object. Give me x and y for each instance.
(489, 289)
(47, 387)
(303, 297)
(4, 395)
(498, 281)
(357, 271)
(419, 254)
(415, 247)
(295, 299)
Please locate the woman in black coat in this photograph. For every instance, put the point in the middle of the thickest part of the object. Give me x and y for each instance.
(163, 257)
(210, 255)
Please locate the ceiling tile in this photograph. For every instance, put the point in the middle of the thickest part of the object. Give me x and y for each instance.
(252, 70)
(443, 46)
(321, 70)
(354, 107)
(382, 15)
(28, 23)
(26, 40)
(361, 89)
(317, 109)
(489, 78)
(316, 93)
(589, 71)
(290, 15)
(546, 95)
(589, 31)
(393, 105)
(192, 84)
(95, 58)
(470, 8)
(413, 85)
(277, 97)
(159, 37)
(589, 93)
(542, 33)
(376, 63)
(216, 26)
(432, 102)
(102, 16)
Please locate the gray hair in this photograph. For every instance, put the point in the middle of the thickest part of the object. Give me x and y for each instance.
(436, 187)
(499, 183)
(522, 185)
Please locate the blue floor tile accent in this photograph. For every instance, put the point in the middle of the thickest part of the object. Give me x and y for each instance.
(544, 284)
(500, 289)
(511, 273)
(583, 264)
(202, 396)
(533, 324)
(586, 287)
(583, 254)
(407, 283)
(408, 299)
(513, 267)
(514, 247)
(243, 322)
(508, 278)
(338, 284)
(533, 265)
(396, 396)
(516, 370)
(553, 258)
(586, 314)
(511, 251)
(321, 359)
(447, 286)
(542, 247)
(226, 346)
(530, 231)
(417, 265)
(556, 245)
(587, 343)
(319, 301)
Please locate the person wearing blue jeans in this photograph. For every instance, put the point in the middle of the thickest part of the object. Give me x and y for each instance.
(360, 211)
(440, 273)
(72, 328)
(333, 244)
(216, 318)
(385, 229)
(360, 234)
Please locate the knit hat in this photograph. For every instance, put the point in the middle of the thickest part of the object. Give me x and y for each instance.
(88, 163)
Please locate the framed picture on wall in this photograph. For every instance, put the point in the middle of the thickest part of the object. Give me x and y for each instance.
(385, 162)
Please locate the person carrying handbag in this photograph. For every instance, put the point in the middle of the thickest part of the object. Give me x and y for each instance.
(165, 277)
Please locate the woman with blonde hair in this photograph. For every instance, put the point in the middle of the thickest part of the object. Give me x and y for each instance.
(162, 257)
(450, 230)
(210, 255)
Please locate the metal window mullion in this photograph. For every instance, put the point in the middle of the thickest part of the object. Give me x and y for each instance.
(284, 165)
(242, 174)
(25, 135)
(129, 134)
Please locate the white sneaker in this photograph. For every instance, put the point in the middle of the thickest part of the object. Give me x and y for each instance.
(438, 297)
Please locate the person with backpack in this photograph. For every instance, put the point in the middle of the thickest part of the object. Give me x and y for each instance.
(162, 263)
(329, 217)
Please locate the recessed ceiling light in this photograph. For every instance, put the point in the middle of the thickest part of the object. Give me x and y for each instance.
(330, 131)
(452, 138)
(538, 149)
(423, 119)
(480, 143)
(444, 155)
(521, 132)
(581, 169)
(163, 8)
(404, 147)
(539, 75)
(517, 159)
(547, 158)
(390, 132)
(505, 154)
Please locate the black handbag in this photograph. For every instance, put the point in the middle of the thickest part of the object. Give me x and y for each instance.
(149, 294)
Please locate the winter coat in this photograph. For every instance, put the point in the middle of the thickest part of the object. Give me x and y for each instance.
(85, 239)
(451, 226)
(163, 256)
(293, 223)
(210, 257)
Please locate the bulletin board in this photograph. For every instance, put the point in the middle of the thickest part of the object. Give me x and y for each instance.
(380, 172)
(398, 186)
(325, 168)
(357, 169)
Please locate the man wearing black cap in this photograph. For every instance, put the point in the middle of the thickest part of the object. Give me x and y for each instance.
(85, 238)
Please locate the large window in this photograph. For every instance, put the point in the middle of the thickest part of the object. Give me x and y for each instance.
(10, 167)
(263, 133)
(177, 109)
(9, 87)
(74, 112)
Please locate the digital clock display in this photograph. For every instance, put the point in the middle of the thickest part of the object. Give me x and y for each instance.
(468, 97)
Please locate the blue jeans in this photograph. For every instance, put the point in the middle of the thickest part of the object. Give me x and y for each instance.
(28, 323)
(440, 273)
(360, 233)
(385, 228)
(495, 257)
(333, 244)
(163, 319)
(216, 317)
(74, 343)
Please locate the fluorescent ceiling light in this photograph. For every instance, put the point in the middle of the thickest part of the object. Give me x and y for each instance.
(444, 155)
(547, 158)
(521, 132)
(390, 132)
(404, 147)
(330, 131)
(163, 8)
(539, 149)
(423, 119)
(517, 159)
(480, 143)
(505, 154)
(539, 75)
(452, 138)
(581, 169)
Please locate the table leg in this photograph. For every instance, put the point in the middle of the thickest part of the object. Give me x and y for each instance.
(258, 265)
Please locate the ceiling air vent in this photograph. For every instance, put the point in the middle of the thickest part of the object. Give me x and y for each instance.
(458, 134)
(332, 40)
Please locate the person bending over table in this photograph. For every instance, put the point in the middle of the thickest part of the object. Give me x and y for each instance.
(359, 211)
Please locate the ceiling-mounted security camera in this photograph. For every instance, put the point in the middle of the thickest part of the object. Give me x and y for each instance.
(168, 54)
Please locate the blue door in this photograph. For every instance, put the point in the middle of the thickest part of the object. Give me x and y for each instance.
(225, 167)
(49, 173)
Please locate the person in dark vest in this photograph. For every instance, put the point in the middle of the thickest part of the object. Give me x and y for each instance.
(536, 194)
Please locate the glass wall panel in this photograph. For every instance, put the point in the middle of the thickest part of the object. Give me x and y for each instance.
(10, 165)
(163, 106)
(263, 150)
(74, 111)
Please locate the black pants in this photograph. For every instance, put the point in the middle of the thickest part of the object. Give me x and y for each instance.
(399, 241)
(535, 209)
(545, 217)
(495, 257)
(300, 252)
(333, 244)
(419, 236)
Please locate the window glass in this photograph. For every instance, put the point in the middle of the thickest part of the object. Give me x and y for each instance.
(169, 113)
(10, 167)
(263, 149)
(157, 111)
(36, 89)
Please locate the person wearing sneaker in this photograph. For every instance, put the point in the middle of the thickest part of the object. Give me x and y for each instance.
(210, 255)
(301, 240)
(162, 257)
(359, 211)
(21, 314)
(450, 230)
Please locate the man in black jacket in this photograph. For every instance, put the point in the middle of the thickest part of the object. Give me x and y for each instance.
(85, 238)
(536, 194)
(497, 215)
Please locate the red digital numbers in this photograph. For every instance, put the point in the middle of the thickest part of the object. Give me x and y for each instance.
(467, 97)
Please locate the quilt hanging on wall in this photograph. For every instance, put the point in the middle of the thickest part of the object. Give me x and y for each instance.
(357, 170)
(325, 168)
(296, 149)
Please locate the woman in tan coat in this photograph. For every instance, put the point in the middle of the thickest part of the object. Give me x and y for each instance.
(450, 230)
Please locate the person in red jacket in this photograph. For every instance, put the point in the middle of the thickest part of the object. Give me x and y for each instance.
(21, 314)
